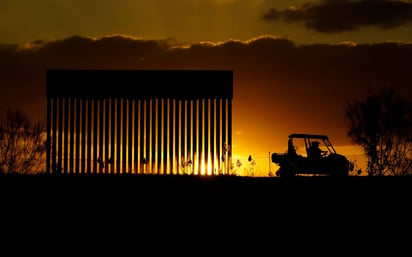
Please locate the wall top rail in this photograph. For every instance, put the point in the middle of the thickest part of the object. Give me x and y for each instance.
(140, 84)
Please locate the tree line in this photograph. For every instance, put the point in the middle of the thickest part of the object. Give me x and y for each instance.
(382, 124)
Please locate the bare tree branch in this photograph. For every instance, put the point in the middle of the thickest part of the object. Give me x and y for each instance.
(22, 143)
(382, 125)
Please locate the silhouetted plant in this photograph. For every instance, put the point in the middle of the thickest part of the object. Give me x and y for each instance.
(22, 143)
(226, 149)
(252, 164)
(382, 125)
(186, 163)
(356, 170)
(235, 167)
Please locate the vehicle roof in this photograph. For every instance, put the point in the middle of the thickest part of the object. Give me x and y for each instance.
(314, 136)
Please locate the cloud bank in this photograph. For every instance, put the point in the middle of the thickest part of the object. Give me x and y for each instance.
(340, 16)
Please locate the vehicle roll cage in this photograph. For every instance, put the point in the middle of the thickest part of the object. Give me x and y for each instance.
(308, 141)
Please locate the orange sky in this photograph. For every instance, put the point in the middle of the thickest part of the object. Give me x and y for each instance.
(191, 21)
(290, 75)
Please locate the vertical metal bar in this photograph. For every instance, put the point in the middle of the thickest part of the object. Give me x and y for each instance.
(112, 134)
(71, 135)
(177, 112)
(182, 136)
(224, 143)
(194, 136)
(89, 135)
(171, 135)
(95, 114)
(218, 128)
(147, 162)
(130, 145)
(165, 135)
(212, 134)
(229, 131)
(77, 166)
(83, 158)
(189, 134)
(124, 137)
(200, 136)
(106, 135)
(54, 137)
(118, 132)
(66, 135)
(48, 135)
(60, 139)
(136, 136)
(101, 135)
(141, 148)
(153, 136)
(159, 134)
(206, 111)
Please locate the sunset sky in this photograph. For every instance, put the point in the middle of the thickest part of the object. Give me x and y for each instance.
(295, 63)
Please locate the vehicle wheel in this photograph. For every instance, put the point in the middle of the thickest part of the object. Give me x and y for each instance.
(285, 173)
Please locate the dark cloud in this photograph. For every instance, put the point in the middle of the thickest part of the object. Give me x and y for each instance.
(279, 87)
(339, 16)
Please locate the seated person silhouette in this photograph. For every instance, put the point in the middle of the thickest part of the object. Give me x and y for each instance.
(314, 151)
(291, 148)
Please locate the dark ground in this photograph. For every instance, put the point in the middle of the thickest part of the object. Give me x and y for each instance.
(206, 210)
(198, 190)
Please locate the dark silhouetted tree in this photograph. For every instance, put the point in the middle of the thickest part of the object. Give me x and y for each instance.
(22, 143)
(382, 125)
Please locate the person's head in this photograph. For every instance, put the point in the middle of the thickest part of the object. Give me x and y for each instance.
(315, 144)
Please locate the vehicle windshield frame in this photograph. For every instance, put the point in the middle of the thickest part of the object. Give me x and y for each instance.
(309, 138)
